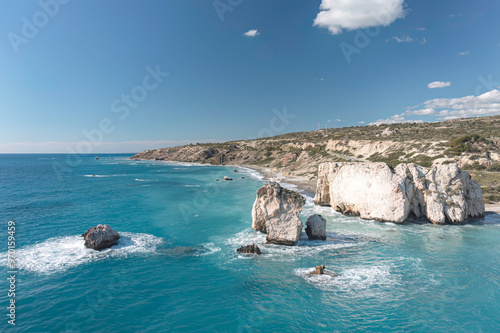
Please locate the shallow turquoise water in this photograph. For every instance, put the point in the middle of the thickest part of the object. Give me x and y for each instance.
(175, 268)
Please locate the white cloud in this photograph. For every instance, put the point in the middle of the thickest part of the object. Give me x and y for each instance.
(421, 29)
(337, 15)
(423, 41)
(402, 39)
(361, 122)
(421, 112)
(464, 53)
(487, 104)
(396, 119)
(438, 84)
(251, 33)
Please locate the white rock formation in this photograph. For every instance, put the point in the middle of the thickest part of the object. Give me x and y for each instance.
(316, 227)
(276, 212)
(443, 194)
(389, 131)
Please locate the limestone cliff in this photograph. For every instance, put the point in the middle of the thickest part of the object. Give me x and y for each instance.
(443, 194)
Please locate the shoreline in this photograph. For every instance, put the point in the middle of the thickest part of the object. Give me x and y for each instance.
(305, 185)
(492, 208)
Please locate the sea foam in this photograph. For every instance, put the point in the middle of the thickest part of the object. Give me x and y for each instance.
(352, 279)
(62, 253)
(303, 248)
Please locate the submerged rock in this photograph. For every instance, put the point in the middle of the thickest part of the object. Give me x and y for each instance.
(276, 212)
(100, 237)
(316, 227)
(321, 270)
(443, 194)
(182, 251)
(252, 249)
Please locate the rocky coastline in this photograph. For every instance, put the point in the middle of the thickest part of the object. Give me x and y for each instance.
(307, 185)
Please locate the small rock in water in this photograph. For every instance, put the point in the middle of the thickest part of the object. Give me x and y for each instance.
(227, 178)
(242, 177)
(316, 227)
(100, 237)
(320, 270)
(252, 249)
(235, 170)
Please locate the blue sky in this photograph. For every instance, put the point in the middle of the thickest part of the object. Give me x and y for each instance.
(235, 67)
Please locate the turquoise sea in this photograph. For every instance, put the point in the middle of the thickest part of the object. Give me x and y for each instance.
(175, 268)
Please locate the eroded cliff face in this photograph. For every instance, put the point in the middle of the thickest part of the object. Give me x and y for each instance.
(443, 194)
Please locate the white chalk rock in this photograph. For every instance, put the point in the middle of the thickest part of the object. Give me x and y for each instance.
(276, 212)
(443, 194)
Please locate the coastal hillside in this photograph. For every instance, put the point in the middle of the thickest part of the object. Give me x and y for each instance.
(473, 143)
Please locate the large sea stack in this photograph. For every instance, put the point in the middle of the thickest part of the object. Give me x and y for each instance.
(100, 237)
(442, 194)
(276, 212)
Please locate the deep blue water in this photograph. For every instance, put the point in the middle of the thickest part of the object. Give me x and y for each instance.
(176, 269)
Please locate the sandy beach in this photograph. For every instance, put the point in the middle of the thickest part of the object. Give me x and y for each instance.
(493, 208)
(302, 183)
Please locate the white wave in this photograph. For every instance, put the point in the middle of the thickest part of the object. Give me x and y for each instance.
(290, 186)
(303, 248)
(191, 185)
(352, 279)
(208, 248)
(252, 173)
(97, 176)
(186, 164)
(62, 253)
(145, 180)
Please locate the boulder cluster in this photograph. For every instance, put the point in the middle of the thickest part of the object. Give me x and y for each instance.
(276, 212)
